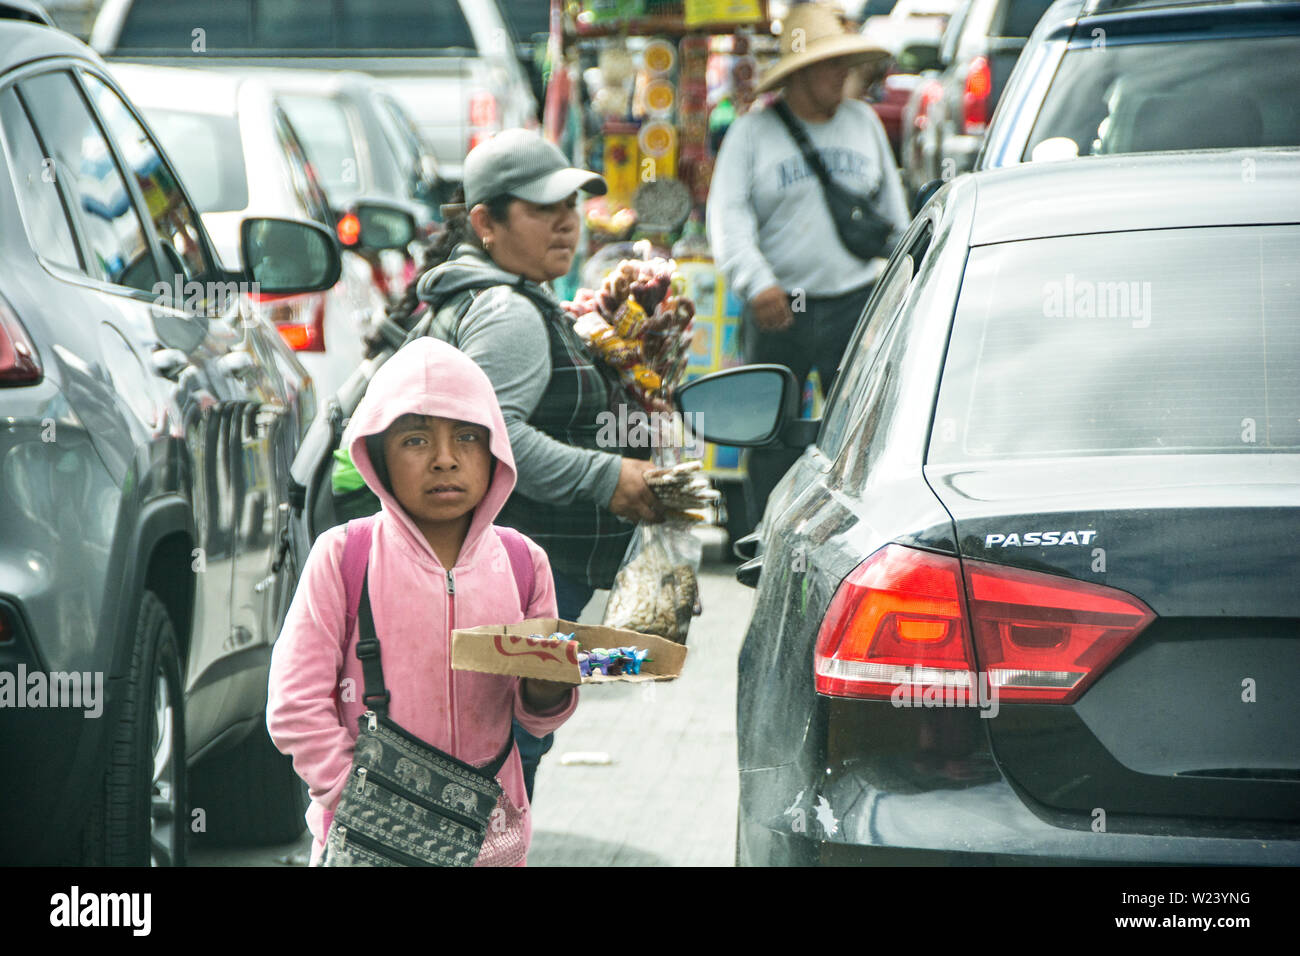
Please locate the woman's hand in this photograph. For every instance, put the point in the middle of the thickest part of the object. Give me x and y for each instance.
(633, 498)
(544, 695)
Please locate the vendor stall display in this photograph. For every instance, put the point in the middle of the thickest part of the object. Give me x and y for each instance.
(648, 79)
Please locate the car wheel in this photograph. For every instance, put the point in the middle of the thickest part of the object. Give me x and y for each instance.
(140, 817)
(249, 794)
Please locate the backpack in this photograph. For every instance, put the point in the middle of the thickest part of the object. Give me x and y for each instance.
(356, 555)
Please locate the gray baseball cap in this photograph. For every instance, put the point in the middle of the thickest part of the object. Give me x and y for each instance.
(518, 162)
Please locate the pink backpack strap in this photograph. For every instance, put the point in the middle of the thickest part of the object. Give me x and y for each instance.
(521, 564)
(356, 555)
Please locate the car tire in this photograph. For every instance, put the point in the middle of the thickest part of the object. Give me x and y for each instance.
(250, 794)
(140, 816)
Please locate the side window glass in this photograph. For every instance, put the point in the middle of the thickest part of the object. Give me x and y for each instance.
(302, 175)
(35, 181)
(886, 302)
(174, 220)
(101, 204)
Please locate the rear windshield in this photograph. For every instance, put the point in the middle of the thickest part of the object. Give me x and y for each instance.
(1141, 97)
(295, 27)
(209, 155)
(1144, 342)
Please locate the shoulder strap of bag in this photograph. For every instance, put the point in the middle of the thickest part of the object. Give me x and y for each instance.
(356, 586)
(521, 564)
(798, 134)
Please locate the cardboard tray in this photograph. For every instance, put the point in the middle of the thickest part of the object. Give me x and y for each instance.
(510, 649)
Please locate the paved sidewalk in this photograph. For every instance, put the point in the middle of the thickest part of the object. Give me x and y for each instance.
(669, 796)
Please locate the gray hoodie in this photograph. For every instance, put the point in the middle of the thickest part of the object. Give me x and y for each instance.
(504, 333)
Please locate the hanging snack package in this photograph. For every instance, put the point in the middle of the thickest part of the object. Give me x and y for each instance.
(655, 591)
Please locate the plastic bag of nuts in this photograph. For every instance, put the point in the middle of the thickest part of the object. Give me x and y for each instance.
(655, 591)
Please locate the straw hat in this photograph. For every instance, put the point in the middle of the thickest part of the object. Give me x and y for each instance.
(812, 33)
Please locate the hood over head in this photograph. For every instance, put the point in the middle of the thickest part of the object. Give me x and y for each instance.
(431, 377)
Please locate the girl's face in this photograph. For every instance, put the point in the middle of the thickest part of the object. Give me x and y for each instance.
(439, 467)
(537, 242)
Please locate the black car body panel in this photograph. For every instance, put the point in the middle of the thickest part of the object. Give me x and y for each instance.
(1162, 759)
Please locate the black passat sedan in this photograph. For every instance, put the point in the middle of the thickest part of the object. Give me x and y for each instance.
(1030, 594)
(147, 433)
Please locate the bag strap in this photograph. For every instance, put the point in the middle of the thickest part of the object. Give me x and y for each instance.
(800, 137)
(521, 564)
(356, 555)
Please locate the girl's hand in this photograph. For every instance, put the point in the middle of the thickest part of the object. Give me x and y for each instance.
(544, 695)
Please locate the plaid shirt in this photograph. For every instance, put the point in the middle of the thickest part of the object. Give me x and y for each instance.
(584, 541)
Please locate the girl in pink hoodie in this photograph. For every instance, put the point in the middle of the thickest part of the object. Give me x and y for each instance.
(435, 564)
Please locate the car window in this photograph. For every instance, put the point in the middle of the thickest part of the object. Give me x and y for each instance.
(1134, 98)
(845, 401)
(175, 222)
(1125, 343)
(102, 206)
(322, 125)
(209, 154)
(1017, 18)
(302, 175)
(296, 27)
(36, 183)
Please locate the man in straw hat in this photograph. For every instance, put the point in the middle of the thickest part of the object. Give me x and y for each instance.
(769, 223)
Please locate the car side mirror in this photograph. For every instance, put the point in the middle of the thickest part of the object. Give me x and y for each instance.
(924, 194)
(371, 225)
(749, 407)
(288, 256)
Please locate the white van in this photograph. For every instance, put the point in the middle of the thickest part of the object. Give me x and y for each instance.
(451, 63)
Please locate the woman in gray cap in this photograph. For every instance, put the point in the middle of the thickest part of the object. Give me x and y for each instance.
(519, 231)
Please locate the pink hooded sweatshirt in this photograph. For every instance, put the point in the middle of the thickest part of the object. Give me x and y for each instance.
(316, 684)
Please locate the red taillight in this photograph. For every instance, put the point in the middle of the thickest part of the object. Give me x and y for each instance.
(19, 363)
(482, 109)
(929, 96)
(300, 332)
(1046, 638)
(975, 101)
(349, 229)
(899, 621)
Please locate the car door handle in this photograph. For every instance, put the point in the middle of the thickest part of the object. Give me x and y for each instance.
(747, 574)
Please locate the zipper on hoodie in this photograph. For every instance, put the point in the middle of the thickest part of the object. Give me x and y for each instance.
(451, 685)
